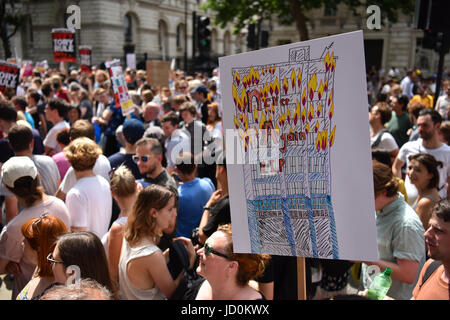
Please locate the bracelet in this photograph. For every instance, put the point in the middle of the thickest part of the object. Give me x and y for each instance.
(207, 208)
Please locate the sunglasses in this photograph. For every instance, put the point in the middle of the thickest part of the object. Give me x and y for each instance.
(143, 158)
(209, 250)
(51, 259)
(35, 223)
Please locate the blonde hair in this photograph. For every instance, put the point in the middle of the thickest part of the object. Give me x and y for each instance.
(82, 153)
(123, 182)
(140, 222)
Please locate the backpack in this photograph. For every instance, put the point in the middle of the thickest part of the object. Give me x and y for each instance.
(191, 281)
(378, 140)
(430, 269)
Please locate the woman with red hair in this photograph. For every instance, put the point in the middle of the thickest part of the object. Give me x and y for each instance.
(40, 236)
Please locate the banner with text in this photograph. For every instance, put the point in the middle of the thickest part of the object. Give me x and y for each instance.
(64, 45)
(85, 59)
(9, 76)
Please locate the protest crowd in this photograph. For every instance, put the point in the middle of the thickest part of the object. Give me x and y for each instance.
(130, 207)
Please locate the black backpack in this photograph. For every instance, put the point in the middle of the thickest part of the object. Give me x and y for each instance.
(191, 281)
(430, 269)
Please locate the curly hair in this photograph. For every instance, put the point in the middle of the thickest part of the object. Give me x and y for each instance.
(82, 153)
(251, 266)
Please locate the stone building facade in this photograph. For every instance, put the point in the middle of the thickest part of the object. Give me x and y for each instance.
(112, 27)
(157, 28)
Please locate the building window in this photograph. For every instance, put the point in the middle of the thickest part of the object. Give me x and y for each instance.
(128, 28)
(163, 39)
(227, 43)
(180, 36)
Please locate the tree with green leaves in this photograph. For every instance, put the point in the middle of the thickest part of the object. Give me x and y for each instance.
(11, 19)
(244, 12)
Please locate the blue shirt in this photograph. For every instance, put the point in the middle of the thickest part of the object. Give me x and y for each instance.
(193, 195)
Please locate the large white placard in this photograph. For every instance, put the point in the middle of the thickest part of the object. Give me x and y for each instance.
(298, 150)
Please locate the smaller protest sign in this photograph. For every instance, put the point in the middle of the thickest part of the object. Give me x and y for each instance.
(85, 59)
(9, 76)
(158, 73)
(121, 95)
(41, 66)
(27, 68)
(64, 45)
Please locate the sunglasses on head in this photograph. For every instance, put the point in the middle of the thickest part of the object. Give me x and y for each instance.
(209, 250)
(143, 158)
(35, 223)
(51, 259)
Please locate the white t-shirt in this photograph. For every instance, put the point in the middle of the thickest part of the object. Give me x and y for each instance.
(442, 105)
(387, 142)
(11, 237)
(441, 154)
(102, 167)
(90, 204)
(50, 139)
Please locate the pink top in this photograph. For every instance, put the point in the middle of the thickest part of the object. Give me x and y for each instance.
(62, 163)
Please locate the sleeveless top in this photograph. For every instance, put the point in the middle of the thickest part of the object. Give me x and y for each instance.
(127, 290)
(121, 221)
(428, 197)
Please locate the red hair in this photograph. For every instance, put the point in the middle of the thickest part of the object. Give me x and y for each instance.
(42, 233)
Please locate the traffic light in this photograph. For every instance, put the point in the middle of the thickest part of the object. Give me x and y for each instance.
(203, 35)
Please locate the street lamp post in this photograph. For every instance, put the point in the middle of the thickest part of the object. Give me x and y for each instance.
(185, 33)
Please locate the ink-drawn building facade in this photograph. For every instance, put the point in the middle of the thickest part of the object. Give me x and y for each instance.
(284, 114)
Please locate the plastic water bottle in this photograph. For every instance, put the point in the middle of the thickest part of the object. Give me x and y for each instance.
(380, 285)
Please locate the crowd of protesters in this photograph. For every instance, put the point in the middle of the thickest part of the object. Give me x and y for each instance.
(126, 203)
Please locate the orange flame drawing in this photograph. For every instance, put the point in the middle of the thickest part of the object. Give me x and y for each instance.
(271, 85)
(320, 91)
(326, 85)
(321, 140)
(332, 136)
(285, 85)
(331, 112)
(333, 66)
(293, 79)
(307, 128)
(316, 127)
(245, 122)
(244, 82)
(255, 115)
(236, 122)
(304, 115)
(244, 100)
(330, 98)
(263, 121)
(326, 61)
(276, 87)
(304, 97)
(297, 113)
(237, 78)
(319, 110)
(299, 78)
(311, 112)
(288, 115)
(281, 120)
(234, 91)
(312, 84)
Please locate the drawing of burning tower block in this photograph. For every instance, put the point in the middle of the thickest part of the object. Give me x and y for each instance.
(284, 116)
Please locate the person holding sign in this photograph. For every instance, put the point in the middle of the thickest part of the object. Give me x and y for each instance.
(401, 242)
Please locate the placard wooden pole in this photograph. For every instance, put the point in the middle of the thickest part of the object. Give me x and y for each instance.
(301, 279)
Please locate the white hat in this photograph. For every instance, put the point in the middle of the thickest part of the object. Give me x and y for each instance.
(16, 168)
